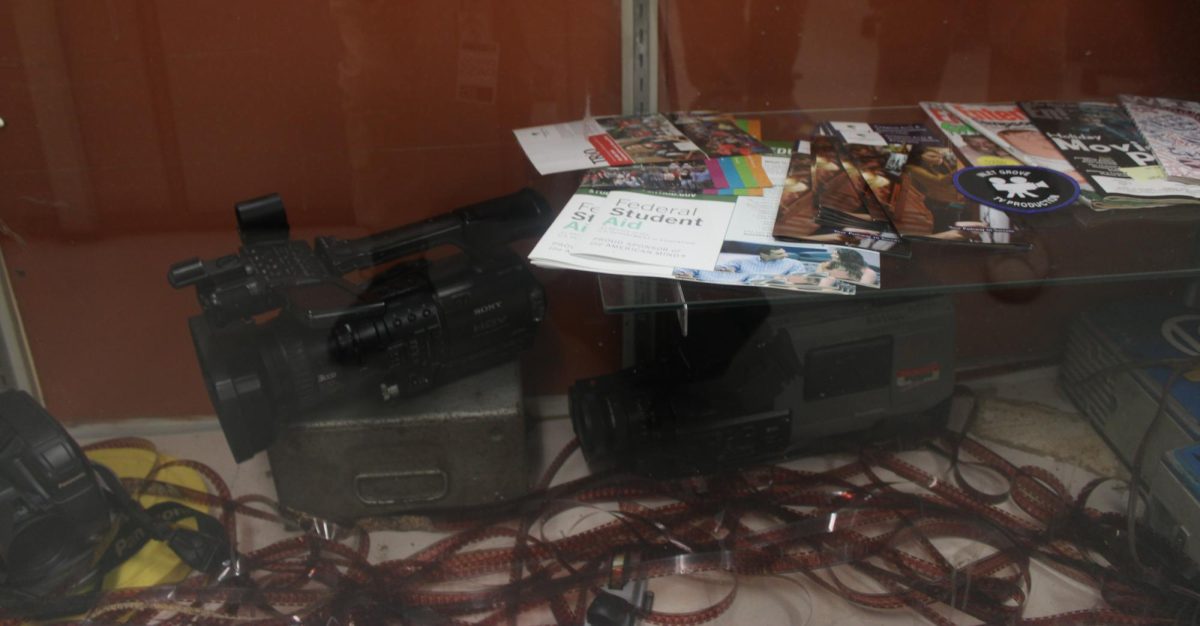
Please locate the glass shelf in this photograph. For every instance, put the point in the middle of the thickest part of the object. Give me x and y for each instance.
(1075, 245)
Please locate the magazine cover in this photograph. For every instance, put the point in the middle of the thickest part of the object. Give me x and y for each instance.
(640, 139)
(1172, 128)
(717, 134)
(1103, 144)
(974, 148)
(911, 175)
(1006, 125)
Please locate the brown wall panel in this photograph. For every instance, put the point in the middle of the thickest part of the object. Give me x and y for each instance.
(133, 127)
(766, 55)
(772, 56)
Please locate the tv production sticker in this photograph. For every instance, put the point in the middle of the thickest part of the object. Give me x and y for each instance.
(1017, 188)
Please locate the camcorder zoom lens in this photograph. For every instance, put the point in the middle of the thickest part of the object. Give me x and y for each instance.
(260, 377)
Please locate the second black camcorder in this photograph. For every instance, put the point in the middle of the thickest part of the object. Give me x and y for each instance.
(755, 384)
(411, 326)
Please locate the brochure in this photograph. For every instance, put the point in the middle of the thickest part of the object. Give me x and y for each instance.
(717, 134)
(559, 148)
(673, 231)
(653, 140)
(747, 255)
(845, 203)
(910, 173)
(813, 177)
(640, 139)
(875, 212)
(553, 250)
(723, 176)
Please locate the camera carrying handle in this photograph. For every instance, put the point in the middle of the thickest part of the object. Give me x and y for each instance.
(473, 228)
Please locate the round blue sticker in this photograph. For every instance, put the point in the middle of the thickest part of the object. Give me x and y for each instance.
(1017, 188)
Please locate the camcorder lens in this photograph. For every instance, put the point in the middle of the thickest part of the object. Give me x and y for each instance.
(232, 366)
(260, 376)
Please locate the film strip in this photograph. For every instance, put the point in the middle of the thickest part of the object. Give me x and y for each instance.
(867, 530)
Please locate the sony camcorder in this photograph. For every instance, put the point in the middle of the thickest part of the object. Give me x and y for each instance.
(414, 325)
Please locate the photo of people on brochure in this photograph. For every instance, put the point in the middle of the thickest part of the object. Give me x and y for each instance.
(717, 134)
(650, 139)
(914, 183)
(819, 204)
(799, 267)
(688, 177)
(797, 216)
(833, 189)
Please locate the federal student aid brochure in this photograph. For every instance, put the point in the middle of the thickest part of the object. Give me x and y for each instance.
(710, 239)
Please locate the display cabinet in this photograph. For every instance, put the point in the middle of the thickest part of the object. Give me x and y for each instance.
(274, 352)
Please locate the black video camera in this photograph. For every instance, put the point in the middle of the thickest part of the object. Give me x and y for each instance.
(417, 324)
(756, 384)
(694, 410)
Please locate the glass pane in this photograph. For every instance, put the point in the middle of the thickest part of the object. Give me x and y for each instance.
(272, 265)
(773, 56)
(131, 129)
